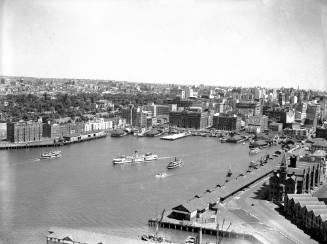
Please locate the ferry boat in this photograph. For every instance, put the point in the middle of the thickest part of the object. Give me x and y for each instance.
(175, 164)
(161, 175)
(122, 159)
(50, 155)
(136, 158)
(150, 156)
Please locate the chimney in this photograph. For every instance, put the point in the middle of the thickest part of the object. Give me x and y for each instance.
(293, 161)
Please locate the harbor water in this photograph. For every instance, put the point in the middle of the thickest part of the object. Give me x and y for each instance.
(84, 190)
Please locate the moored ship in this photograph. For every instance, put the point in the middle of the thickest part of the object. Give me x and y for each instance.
(118, 133)
(175, 164)
(50, 155)
(150, 156)
(122, 159)
(136, 158)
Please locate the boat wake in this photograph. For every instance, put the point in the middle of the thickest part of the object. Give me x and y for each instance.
(164, 158)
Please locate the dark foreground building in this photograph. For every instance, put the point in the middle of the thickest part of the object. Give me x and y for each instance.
(26, 131)
(296, 177)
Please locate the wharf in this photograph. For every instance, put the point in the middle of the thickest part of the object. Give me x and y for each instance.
(174, 136)
(54, 143)
(207, 229)
(207, 203)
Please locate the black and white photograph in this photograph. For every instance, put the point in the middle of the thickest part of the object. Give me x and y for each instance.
(163, 121)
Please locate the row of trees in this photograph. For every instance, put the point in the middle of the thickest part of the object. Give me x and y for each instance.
(31, 107)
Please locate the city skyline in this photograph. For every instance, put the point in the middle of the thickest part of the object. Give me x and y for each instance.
(223, 43)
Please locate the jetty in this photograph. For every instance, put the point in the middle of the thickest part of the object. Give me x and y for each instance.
(174, 137)
(48, 142)
(186, 215)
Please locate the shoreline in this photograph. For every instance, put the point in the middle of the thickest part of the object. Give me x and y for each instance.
(53, 143)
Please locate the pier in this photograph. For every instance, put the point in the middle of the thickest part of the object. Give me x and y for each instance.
(185, 216)
(195, 227)
(175, 136)
(53, 142)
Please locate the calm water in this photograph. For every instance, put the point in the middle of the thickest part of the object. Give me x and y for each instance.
(84, 190)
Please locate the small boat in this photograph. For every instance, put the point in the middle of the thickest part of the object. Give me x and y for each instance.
(223, 140)
(190, 240)
(161, 175)
(175, 164)
(254, 151)
(50, 155)
(150, 156)
(118, 133)
(154, 238)
(243, 143)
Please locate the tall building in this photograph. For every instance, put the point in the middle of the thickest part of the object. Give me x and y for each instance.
(189, 119)
(246, 109)
(226, 122)
(281, 99)
(258, 121)
(26, 131)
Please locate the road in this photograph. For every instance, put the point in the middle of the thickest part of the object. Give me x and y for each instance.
(262, 218)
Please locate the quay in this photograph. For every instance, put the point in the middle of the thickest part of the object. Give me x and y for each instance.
(195, 228)
(74, 138)
(189, 216)
(174, 136)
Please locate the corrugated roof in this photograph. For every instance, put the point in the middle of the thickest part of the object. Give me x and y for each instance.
(302, 199)
(323, 217)
(318, 211)
(297, 196)
(313, 206)
(195, 204)
(321, 193)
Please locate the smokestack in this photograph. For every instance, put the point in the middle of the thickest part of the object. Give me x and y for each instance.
(293, 161)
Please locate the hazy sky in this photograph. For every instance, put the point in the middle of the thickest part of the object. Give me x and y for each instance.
(220, 42)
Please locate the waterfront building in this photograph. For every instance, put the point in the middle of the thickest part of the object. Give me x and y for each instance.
(129, 113)
(260, 122)
(26, 131)
(60, 130)
(97, 124)
(297, 177)
(226, 122)
(189, 119)
(307, 212)
(190, 209)
(157, 110)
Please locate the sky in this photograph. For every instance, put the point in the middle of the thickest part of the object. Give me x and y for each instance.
(270, 43)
